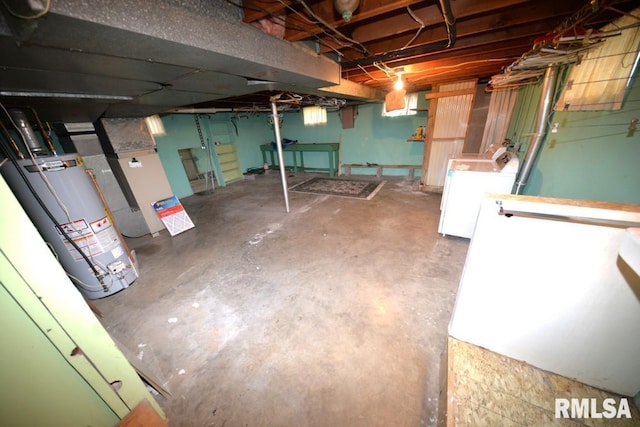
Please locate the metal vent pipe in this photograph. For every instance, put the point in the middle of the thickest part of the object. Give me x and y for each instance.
(540, 128)
(25, 129)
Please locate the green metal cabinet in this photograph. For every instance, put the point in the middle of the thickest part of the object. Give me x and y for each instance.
(58, 365)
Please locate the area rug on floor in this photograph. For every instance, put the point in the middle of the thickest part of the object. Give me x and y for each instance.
(358, 188)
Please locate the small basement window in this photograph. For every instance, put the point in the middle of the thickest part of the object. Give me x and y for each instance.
(314, 115)
(410, 105)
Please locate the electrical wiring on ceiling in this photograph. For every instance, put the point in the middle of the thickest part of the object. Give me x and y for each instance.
(457, 67)
(422, 27)
(565, 45)
(562, 50)
(298, 15)
(384, 68)
(330, 31)
(334, 35)
(450, 22)
(512, 80)
(288, 98)
(392, 74)
(287, 23)
(369, 74)
(332, 28)
(407, 53)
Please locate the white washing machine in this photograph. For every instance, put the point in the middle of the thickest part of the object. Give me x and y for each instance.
(469, 178)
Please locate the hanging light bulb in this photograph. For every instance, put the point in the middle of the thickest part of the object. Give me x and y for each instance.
(346, 8)
(399, 84)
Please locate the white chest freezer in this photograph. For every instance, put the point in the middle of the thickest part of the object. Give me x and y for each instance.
(466, 183)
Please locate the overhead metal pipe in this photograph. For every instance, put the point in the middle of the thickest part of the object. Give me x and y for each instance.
(31, 141)
(540, 130)
(283, 173)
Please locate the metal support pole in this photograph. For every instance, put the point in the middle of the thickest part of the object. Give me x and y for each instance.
(283, 173)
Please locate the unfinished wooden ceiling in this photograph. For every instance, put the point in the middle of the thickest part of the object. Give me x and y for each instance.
(77, 61)
(430, 41)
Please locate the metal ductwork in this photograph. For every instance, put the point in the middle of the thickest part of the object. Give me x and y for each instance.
(540, 129)
(120, 58)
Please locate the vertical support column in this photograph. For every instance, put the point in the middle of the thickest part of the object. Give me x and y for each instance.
(428, 139)
(283, 173)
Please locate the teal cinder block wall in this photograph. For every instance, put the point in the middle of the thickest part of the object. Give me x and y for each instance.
(373, 139)
(592, 156)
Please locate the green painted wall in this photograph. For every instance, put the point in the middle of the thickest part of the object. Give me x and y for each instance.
(39, 387)
(523, 118)
(44, 382)
(591, 156)
(181, 133)
(374, 139)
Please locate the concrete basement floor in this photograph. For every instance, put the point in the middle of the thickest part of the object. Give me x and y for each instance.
(335, 314)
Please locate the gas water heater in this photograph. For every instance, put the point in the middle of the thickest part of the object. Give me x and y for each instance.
(63, 201)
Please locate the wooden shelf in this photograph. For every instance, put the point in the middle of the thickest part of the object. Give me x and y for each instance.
(413, 138)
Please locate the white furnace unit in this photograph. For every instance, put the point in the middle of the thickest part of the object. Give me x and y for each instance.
(469, 178)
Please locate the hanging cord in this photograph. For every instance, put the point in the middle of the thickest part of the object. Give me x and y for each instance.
(422, 26)
(450, 21)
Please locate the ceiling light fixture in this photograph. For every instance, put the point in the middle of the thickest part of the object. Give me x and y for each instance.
(154, 123)
(399, 84)
(346, 8)
(314, 115)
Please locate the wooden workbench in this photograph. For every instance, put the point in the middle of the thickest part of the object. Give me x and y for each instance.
(331, 148)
